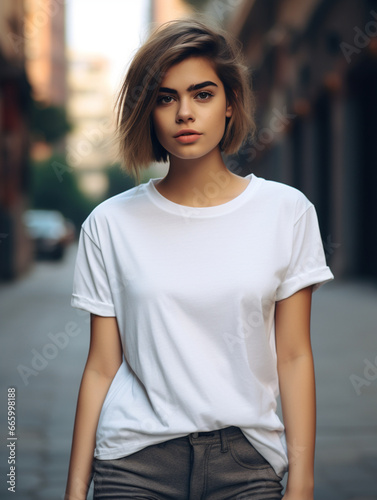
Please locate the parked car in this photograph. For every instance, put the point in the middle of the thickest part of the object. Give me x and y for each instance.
(49, 230)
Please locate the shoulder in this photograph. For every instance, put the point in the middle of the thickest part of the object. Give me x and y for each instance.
(114, 209)
(282, 197)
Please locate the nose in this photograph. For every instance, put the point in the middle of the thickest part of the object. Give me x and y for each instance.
(184, 111)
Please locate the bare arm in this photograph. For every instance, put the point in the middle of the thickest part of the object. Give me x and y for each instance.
(104, 359)
(297, 389)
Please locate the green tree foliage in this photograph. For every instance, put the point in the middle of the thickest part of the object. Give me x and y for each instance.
(48, 123)
(54, 186)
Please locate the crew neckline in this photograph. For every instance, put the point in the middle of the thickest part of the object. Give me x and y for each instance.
(190, 211)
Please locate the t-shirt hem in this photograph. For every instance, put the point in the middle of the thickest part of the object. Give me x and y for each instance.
(114, 454)
(317, 278)
(100, 309)
(280, 467)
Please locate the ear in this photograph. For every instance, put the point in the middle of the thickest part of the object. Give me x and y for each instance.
(229, 110)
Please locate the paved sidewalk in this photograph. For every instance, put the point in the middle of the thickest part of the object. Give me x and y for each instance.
(32, 310)
(344, 337)
(37, 308)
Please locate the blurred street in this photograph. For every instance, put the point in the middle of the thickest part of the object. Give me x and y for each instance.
(44, 347)
(32, 311)
(344, 336)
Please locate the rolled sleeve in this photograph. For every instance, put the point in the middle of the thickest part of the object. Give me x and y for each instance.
(308, 263)
(91, 289)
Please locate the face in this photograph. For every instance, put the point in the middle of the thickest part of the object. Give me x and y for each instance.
(190, 113)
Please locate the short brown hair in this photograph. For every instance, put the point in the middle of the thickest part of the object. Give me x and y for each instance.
(170, 44)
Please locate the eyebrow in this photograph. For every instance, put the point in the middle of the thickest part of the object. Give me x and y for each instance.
(198, 86)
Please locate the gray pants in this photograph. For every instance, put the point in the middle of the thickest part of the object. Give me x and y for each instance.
(217, 465)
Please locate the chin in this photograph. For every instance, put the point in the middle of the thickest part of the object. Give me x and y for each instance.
(190, 154)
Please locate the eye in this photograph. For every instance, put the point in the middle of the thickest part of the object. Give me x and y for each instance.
(165, 99)
(204, 95)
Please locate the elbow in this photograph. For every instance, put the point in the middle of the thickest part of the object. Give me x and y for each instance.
(106, 373)
(294, 358)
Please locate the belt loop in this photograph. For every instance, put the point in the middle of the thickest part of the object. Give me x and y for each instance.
(224, 441)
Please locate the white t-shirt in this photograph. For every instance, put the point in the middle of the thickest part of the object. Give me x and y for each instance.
(194, 291)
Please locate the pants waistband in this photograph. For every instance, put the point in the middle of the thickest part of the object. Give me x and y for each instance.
(219, 435)
(229, 431)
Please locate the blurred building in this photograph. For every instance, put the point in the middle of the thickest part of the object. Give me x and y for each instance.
(314, 71)
(44, 33)
(32, 57)
(46, 67)
(90, 146)
(15, 246)
(166, 10)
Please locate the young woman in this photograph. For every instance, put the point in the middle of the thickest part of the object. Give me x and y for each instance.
(199, 287)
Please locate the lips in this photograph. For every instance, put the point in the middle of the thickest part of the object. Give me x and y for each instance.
(185, 132)
(187, 136)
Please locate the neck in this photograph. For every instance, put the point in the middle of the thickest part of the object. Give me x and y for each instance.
(197, 182)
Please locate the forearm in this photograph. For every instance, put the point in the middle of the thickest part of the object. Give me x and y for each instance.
(93, 389)
(297, 388)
